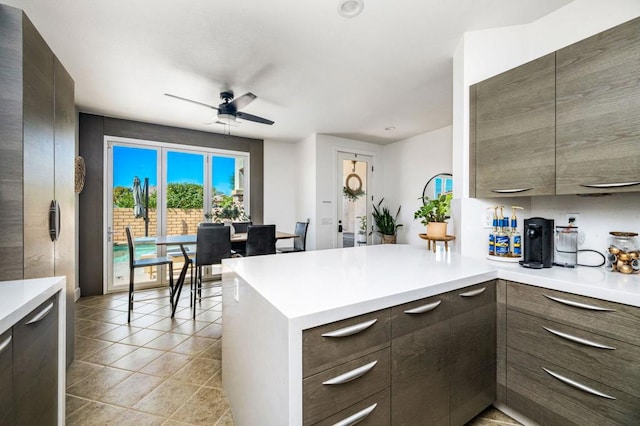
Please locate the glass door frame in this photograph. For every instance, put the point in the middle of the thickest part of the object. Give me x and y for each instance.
(342, 155)
(162, 148)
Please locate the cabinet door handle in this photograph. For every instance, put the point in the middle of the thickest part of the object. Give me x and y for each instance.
(351, 375)
(577, 385)
(578, 339)
(351, 330)
(510, 190)
(40, 315)
(4, 344)
(472, 293)
(578, 304)
(609, 185)
(424, 308)
(357, 417)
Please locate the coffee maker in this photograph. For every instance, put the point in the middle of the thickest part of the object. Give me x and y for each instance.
(538, 243)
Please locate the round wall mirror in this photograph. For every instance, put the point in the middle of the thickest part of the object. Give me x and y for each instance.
(438, 184)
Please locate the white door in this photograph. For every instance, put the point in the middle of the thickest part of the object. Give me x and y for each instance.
(354, 199)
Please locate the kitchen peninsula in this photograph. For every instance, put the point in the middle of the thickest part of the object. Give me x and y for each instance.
(273, 307)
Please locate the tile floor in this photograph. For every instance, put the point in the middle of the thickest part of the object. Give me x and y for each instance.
(156, 370)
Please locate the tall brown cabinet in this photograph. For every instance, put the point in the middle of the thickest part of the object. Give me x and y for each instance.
(37, 152)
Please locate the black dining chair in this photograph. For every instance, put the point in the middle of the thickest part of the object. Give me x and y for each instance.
(261, 239)
(212, 245)
(240, 228)
(300, 242)
(145, 263)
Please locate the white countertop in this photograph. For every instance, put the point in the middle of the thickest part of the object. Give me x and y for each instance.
(18, 298)
(314, 287)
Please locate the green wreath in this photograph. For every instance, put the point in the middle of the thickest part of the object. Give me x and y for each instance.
(352, 190)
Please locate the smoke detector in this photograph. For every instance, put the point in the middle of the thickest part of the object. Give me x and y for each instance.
(350, 8)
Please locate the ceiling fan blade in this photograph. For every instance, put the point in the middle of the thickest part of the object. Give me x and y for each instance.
(190, 100)
(255, 118)
(230, 123)
(242, 101)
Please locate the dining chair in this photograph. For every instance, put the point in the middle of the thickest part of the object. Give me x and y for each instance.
(145, 263)
(213, 244)
(261, 239)
(240, 228)
(300, 241)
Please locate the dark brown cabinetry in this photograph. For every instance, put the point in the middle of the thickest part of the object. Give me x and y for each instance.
(37, 126)
(346, 368)
(514, 131)
(571, 359)
(443, 352)
(29, 368)
(598, 113)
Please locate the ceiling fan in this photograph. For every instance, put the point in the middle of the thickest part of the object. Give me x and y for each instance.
(228, 109)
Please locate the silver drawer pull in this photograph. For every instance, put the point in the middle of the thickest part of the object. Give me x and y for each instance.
(578, 339)
(511, 190)
(609, 185)
(357, 417)
(43, 313)
(4, 344)
(351, 375)
(351, 330)
(473, 292)
(577, 385)
(578, 304)
(424, 308)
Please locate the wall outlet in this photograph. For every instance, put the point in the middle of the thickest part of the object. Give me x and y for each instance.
(575, 217)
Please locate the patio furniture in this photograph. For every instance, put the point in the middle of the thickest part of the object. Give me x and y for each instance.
(299, 243)
(261, 240)
(144, 263)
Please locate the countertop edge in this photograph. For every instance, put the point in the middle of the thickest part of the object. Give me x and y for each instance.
(47, 287)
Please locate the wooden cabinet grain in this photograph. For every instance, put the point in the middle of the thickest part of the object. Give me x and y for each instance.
(6, 378)
(598, 113)
(514, 131)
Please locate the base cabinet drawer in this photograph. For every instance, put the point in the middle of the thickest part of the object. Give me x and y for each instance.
(373, 411)
(602, 359)
(340, 387)
(6, 372)
(551, 395)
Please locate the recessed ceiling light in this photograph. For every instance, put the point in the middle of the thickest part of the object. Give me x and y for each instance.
(390, 128)
(350, 8)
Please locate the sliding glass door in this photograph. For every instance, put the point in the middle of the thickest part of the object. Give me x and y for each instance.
(162, 189)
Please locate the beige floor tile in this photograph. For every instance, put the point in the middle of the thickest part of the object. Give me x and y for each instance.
(111, 354)
(119, 333)
(87, 312)
(136, 418)
(166, 398)
(209, 316)
(190, 327)
(131, 390)
(496, 417)
(171, 422)
(214, 351)
(226, 420)
(120, 319)
(167, 364)
(193, 345)
(164, 310)
(213, 331)
(198, 371)
(73, 404)
(80, 370)
(94, 330)
(86, 347)
(184, 313)
(81, 323)
(167, 324)
(142, 337)
(215, 381)
(167, 341)
(146, 320)
(106, 314)
(98, 383)
(137, 359)
(205, 407)
(148, 308)
(95, 414)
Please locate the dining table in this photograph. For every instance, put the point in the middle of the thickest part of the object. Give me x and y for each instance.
(190, 239)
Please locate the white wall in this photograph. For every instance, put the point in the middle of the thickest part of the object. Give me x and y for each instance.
(482, 54)
(408, 165)
(280, 186)
(305, 186)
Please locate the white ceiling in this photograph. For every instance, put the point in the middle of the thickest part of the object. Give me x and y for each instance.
(312, 70)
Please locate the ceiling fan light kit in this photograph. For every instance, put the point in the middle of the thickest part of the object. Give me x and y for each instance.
(350, 8)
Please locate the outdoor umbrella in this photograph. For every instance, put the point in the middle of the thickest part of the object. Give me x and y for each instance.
(138, 199)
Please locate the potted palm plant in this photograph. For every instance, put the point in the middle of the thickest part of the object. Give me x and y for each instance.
(362, 231)
(385, 223)
(434, 213)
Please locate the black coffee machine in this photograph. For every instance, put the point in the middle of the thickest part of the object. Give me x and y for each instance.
(538, 243)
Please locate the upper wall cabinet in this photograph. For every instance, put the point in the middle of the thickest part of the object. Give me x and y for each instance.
(598, 113)
(515, 131)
